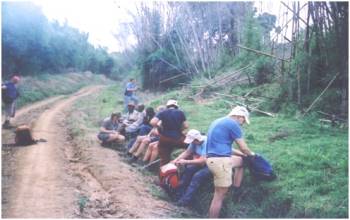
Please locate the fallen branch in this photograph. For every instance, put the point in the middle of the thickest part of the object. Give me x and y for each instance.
(173, 77)
(251, 108)
(237, 96)
(332, 116)
(260, 52)
(263, 112)
(314, 102)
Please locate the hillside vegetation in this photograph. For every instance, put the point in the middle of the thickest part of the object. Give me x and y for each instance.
(37, 88)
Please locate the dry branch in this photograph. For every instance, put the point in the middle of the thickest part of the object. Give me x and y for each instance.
(314, 102)
(260, 52)
(173, 77)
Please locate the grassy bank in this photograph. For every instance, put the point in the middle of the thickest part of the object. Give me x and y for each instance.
(310, 159)
(37, 88)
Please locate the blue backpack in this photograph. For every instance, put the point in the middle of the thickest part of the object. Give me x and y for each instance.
(260, 168)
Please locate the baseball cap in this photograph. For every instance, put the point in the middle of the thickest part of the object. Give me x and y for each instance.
(192, 135)
(172, 102)
(240, 111)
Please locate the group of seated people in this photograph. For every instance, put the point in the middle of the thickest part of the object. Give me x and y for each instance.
(142, 138)
(135, 128)
(144, 134)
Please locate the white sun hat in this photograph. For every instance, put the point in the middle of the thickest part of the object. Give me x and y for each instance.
(240, 111)
(193, 135)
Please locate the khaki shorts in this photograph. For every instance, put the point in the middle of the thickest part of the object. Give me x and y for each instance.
(221, 168)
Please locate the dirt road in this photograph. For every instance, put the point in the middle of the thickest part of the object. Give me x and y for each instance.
(62, 179)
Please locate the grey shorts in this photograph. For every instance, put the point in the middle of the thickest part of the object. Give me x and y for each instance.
(154, 139)
(10, 109)
(103, 137)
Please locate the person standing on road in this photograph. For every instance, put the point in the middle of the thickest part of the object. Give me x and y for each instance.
(129, 93)
(220, 161)
(9, 96)
(171, 123)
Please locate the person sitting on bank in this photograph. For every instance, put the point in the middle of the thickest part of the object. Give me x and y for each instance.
(141, 143)
(109, 130)
(131, 121)
(151, 153)
(196, 171)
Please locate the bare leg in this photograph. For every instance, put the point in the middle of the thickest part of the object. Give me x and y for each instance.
(216, 203)
(239, 171)
(136, 144)
(154, 152)
(116, 137)
(148, 153)
(142, 146)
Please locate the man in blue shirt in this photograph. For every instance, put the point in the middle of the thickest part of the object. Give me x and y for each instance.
(220, 161)
(9, 96)
(171, 122)
(196, 171)
(129, 93)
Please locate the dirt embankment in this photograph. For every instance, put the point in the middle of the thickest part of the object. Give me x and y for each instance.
(62, 178)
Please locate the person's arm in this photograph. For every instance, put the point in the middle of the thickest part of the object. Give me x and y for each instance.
(244, 147)
(103, 129)
(238, 153)
(131, 87)
(184, 125)
(198, 161)
(183, 155)
(154, 122)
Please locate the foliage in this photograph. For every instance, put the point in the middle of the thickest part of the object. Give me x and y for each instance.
(39, 87)
(33, 45)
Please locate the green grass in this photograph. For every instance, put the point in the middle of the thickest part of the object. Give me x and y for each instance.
(311, 161)
(37, 88)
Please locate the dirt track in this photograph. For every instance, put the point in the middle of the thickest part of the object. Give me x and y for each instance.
(60, 179)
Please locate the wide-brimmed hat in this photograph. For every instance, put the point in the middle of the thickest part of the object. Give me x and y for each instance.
(240, 111)
(172, 102)
(193, 135)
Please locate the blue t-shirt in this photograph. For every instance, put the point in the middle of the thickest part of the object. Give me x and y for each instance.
(221, 134)
(172, 120)
(11, 90)
(130, 85)
(200, 150)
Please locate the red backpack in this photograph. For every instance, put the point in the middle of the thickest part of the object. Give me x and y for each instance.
(169, 177)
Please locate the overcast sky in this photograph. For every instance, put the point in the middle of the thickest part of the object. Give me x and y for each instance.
(101, 18)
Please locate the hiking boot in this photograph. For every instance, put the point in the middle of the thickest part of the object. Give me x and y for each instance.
(105, 144)
(133, 159)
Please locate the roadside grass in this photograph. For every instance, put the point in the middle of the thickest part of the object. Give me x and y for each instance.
(310, 160)
(36, 88)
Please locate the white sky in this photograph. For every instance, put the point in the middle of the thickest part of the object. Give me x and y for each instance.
(101, 18)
